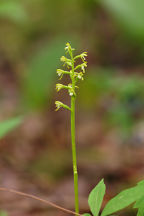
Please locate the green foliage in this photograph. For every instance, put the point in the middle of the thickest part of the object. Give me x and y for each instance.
(8, 125)
(96, 197)
(129, 13)
(119, 202)
(140, 211)
(123, 199)
(140, 206)
(139, 203)
(13, 10)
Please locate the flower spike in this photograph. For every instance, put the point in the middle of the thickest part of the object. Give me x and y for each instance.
(71, 88)
(75, 73)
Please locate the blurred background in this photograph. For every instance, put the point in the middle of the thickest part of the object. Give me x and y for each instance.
(36, 156)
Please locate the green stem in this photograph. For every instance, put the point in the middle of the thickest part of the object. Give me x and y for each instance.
(75, 172)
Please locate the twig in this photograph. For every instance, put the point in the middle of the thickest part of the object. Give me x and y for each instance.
(39, 199)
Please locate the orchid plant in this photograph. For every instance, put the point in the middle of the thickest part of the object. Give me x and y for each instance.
(75, 72)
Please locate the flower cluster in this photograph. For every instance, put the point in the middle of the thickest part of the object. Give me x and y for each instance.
(75, 72)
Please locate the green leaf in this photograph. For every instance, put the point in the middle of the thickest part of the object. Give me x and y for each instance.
(8, 125)
(124, 199)
(140, 211)
(139, 203)
(86, 214)
(140, 206)
(13, 11)
(141, 182)
(128, 13)
(96, 197)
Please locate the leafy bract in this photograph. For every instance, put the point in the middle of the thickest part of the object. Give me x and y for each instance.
(8, 125)
(124, 199)
(96, 197)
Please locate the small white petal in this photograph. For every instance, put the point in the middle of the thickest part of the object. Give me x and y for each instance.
(79, 76)
(71, 94)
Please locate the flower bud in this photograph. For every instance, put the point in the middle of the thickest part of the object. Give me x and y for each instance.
(68, 48)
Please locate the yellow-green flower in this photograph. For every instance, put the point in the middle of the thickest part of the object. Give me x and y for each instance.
(75, 72)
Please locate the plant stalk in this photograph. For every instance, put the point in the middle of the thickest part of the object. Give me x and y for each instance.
(75, 172)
